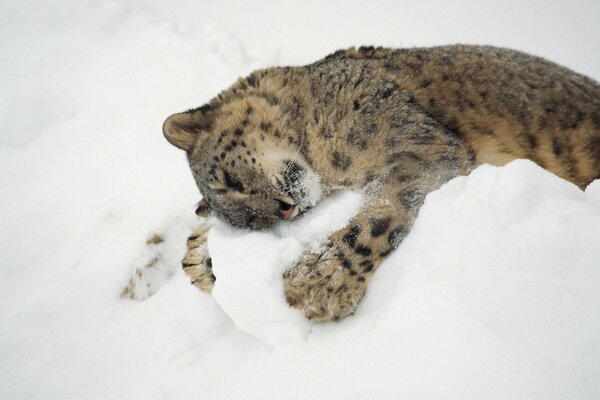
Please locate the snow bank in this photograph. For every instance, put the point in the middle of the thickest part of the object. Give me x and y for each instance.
(249, 266)
(494, 294)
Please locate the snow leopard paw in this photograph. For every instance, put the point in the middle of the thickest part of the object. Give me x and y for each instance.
(197, 263)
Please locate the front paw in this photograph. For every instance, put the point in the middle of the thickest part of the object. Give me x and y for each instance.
(325, 285)
(197, 263)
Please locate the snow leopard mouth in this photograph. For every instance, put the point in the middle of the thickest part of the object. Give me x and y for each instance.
(297, 189)
(288, 209)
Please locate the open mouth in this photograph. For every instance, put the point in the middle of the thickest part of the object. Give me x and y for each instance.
(287, 208)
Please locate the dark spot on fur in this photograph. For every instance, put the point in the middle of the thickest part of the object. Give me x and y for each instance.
(223, 156)
(411, 197)
(356, 139)
(557, 147)
(272, 100)
(326, 132)
(416, 67)
(363, 250)
(571, 118)
(389, 65)
(396, 236)
(593, 148)
(352, 235)
(385, 92)
(291, 302)
(449, 161)
(401, 156)
(531, 141)
(447, 61)
(379, 226)
(203, 109)
(371, 128)
(425, 83)
(484, 130)
(550, 107)
(252, 81)
(452, 124)
(340, 160)
(266, 126)
(251, 220)
(421, 135)
(296, 109)
(595, 117)
(238, 132)
(370, 176)
(355, 105)
(367, 266)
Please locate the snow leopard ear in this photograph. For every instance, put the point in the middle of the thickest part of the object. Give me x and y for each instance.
(182, 129)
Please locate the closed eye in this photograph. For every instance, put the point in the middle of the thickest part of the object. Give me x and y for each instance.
(233, 183)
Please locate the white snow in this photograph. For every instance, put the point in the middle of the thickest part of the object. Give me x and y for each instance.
(494, 294)
(249, 266)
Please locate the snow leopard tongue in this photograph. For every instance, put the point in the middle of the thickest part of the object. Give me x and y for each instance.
(287, 214)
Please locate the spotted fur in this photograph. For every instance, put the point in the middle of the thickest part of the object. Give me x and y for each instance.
(399, 123)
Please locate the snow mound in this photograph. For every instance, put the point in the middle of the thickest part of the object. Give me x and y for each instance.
(249, 265)
(498, 279)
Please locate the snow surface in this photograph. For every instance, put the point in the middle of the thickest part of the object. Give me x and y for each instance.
(494, 294)
(249, 278)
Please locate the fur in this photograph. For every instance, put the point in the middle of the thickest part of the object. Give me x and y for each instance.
(398, 122)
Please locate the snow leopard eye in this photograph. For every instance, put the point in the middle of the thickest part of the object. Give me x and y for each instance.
(233, 182)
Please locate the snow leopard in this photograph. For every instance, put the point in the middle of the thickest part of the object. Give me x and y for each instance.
(395, 123)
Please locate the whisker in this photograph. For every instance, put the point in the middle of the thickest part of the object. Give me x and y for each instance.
(288, 164)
